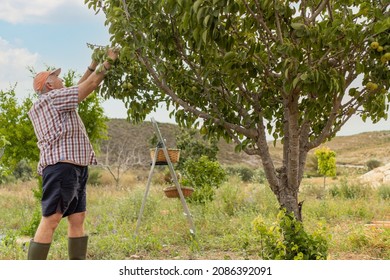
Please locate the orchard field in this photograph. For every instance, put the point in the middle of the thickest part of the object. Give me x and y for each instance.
(343, 212)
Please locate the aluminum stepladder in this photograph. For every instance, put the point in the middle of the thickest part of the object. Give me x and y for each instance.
(161, 146)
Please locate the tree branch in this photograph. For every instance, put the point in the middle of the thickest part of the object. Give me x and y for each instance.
(278, 27)
(260, 18)
(251, 133)
(318, 10)
(266, 158)
(326, 131)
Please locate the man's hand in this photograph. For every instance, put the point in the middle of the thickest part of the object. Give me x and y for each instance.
(112, 54)
(93, 80)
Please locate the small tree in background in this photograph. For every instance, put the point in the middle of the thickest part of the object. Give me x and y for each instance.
(326, 162)
(17, 129)
(3, 144)
(205, 176)
(193, 147)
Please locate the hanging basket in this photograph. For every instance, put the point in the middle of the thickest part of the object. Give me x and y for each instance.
(172, 192)
(174, 155)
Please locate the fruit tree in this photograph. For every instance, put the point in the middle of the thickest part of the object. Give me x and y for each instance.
(296, 70)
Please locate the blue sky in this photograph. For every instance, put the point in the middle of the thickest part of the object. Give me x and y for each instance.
(37, 33)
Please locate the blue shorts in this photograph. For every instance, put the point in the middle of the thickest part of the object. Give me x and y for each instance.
(64, 189)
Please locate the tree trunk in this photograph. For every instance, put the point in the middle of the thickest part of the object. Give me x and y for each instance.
(288, 199)
(286, 193)
(289, 174)
(285, 180)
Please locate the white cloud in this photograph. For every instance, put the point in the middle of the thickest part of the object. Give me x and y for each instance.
(13, 65)
(37, 11)
(16, 11)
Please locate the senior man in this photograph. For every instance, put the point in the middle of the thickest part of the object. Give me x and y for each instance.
(65, 153)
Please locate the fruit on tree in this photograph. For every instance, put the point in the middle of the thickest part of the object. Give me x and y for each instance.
(374, 45)
(127, 85)
(371, 86)
(385, 58)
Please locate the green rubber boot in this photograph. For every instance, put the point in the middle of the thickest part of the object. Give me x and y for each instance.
(77, 247)
(38, 251)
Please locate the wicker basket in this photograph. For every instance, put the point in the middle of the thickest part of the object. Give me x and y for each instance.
(174, 155)
(172, 192)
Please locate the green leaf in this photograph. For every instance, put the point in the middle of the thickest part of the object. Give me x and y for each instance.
(204, 36)
(295, 82)
(200, 14)
(229, 55)
(297, 25)
(196, 5)
(206, 20)
(382, 26)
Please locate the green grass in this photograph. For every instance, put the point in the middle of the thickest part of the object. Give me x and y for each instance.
(223, 226)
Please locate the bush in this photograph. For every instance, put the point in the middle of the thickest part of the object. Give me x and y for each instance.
(204, 176)
(259, 176)
(23, 171)
(193, 146)
(372, 164)
(384, 192)
(318, 192)
(245, 173)
(94, 177)
(33, 224)
(233, 197)
(350, 191)
(287, 240)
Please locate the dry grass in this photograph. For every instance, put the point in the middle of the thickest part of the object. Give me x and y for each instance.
(223, 226)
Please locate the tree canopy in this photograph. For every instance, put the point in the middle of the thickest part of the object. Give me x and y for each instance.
(17, 130)
(297, 70)
(326, 162)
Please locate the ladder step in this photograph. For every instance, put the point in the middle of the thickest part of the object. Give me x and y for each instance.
(160, 163)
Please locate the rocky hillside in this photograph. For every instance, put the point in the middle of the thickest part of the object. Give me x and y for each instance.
(133, 141)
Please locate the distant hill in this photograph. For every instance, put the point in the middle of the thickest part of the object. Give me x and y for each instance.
(134, 141)
(356, 150)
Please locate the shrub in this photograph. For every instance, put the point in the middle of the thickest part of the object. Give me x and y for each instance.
(372, 164)
(23, 171)
(245, 173)
(204, 176)
(350, 190)
(192, 146)
(232, 196)
(287, 240)
(32, 226)
(94, 177)
(384, 192)
(315, 191)
(259, 176)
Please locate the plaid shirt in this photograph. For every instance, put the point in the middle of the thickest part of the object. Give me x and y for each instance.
(60, 131)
